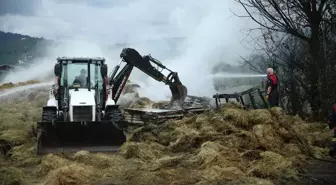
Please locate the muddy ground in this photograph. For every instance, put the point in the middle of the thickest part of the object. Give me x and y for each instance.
(318, 172)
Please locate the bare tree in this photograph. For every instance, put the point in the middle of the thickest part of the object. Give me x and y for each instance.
(304, 20)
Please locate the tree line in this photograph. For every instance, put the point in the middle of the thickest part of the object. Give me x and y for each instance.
(16, 47)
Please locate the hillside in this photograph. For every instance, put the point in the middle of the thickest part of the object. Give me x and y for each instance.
(18, 49)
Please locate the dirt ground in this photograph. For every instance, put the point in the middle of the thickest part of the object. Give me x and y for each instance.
(317, 172)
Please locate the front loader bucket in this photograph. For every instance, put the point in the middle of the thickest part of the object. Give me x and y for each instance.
(64, 137)
(179, 94)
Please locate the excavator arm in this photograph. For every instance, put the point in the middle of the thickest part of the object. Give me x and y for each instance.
(133, 59)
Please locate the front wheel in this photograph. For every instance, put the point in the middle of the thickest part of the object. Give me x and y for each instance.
(49, 115)
(115, 116)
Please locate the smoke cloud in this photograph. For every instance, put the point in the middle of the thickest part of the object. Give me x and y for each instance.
(188, 36)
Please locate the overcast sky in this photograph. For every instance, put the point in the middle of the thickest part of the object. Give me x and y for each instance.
(212, 33)
(114, 20)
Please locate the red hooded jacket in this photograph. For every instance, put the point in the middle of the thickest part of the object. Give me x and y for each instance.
(272, 81)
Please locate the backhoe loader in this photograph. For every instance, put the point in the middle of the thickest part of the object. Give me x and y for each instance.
(82, 112)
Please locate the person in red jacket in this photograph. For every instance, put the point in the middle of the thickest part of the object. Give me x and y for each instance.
(272, 88)
(332, 126)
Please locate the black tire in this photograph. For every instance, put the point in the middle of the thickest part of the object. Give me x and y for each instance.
(116, 116)
(49, 115)
(33, 131)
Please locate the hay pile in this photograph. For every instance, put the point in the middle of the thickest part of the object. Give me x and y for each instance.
(18, 116)
(230, 146)
(130, 97)
(12, 85)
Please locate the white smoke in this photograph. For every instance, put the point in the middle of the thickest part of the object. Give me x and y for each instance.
(210, 32)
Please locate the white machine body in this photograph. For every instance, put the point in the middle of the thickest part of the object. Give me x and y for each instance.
(82, 103)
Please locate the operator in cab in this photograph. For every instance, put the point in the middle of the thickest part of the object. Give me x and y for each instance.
(81, 79)
(272, 88)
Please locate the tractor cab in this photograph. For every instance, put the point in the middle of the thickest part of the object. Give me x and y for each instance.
(87, 76)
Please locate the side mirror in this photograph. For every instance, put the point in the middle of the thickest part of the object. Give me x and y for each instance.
(103, 70)
(58, 69)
